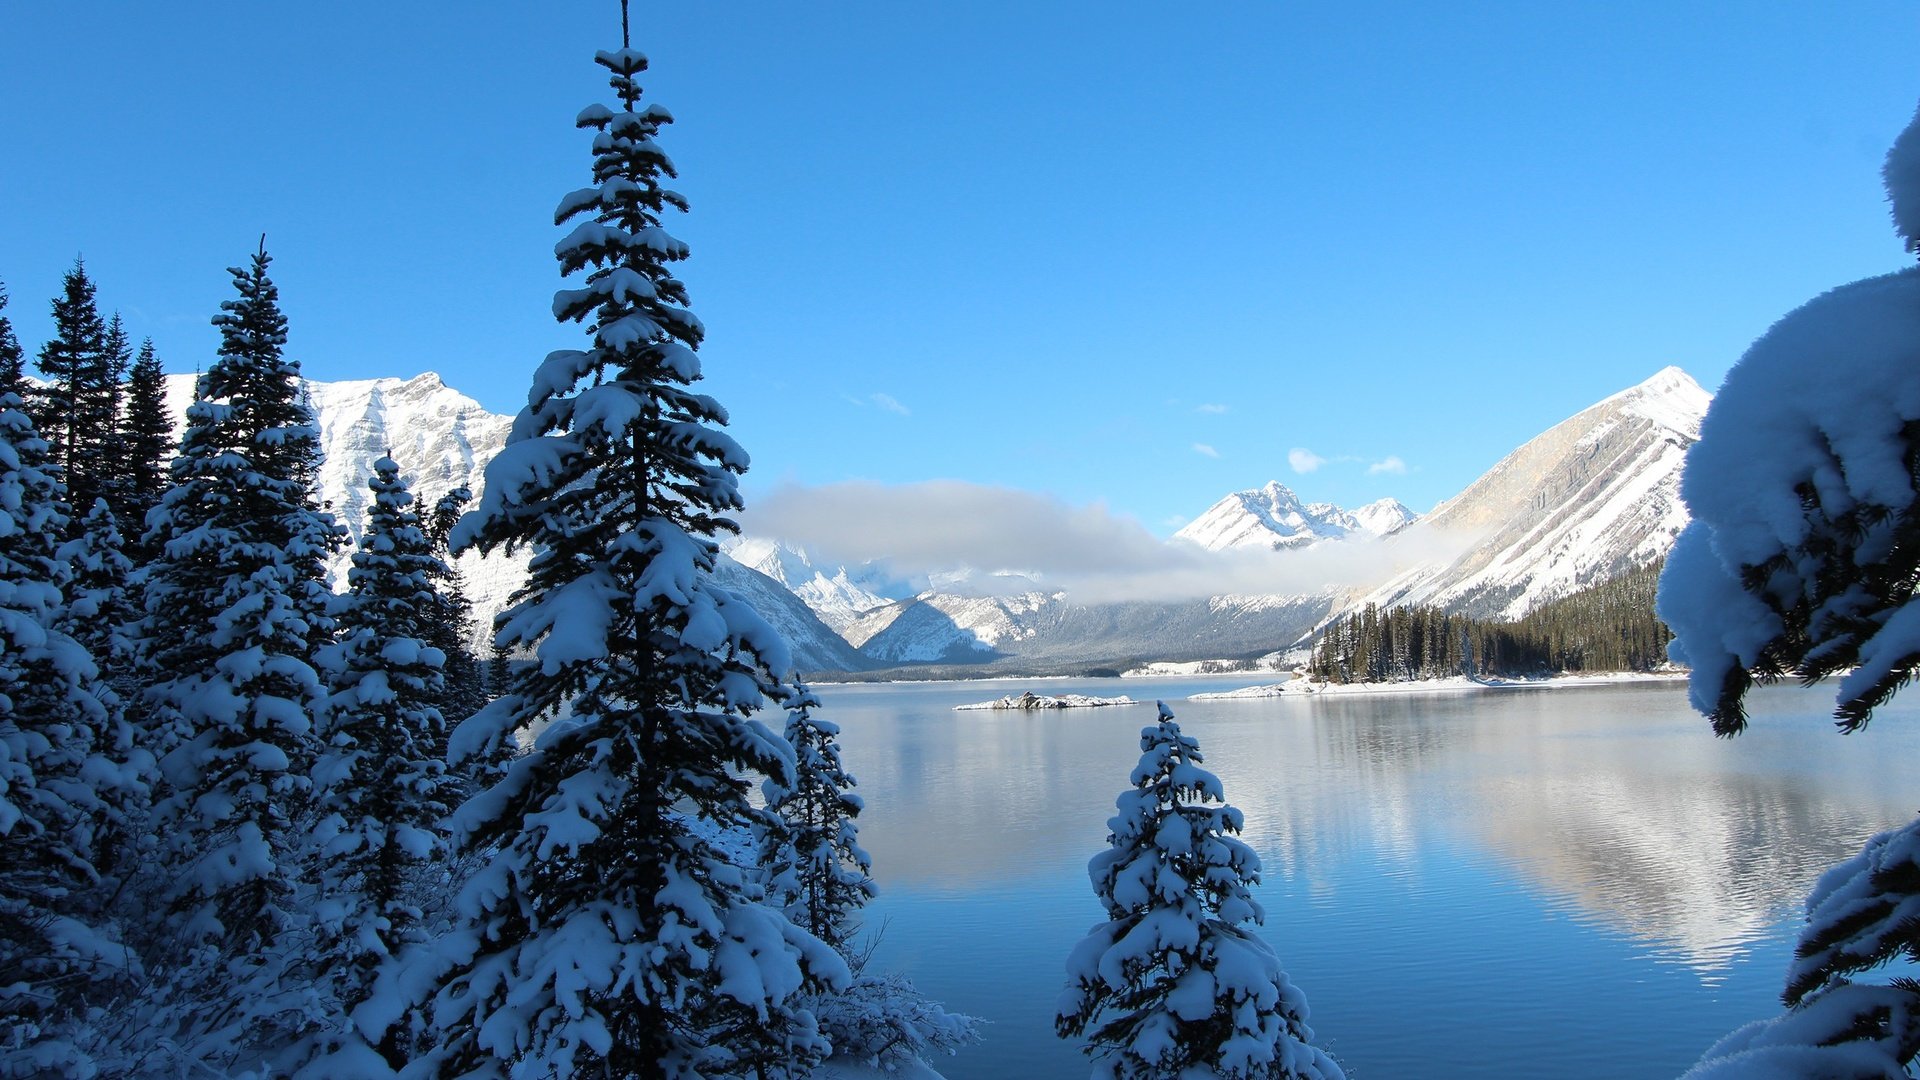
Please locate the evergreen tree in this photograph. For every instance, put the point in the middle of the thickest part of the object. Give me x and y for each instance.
(384, 781)
(1172, 984)
(109, 466)
(74, 411)
(1802, 558)
(611, 936)
(52, 956)
(13, 361)
(146, 435)
(230, 624)
(820, 875)
(817, 868)
(451, 630)
(100, 615)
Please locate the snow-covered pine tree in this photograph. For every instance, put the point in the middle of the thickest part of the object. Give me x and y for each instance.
(230, 623)
(451, 631)
(383, 784)
(52, 955)
(13, 360)
(610, 933)
(146, 434)
(1172, 984)
(818, 872)
(67, 409)
(1802, 559)
(815, 866)
(100, 614)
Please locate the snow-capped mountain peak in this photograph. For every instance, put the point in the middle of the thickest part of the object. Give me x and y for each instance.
(1274, 517)
(837, 594)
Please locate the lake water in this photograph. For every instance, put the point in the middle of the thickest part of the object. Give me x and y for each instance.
(1569, 882)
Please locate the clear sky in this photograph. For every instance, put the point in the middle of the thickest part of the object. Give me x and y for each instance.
(1104, 251)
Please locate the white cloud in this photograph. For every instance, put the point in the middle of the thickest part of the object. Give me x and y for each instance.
(1210, 409)
(1304, 460)
(1390, 464)
(1088, 551)
(890, 403)
(1205, 451)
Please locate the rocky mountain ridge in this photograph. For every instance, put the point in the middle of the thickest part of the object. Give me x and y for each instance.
(1591, 496)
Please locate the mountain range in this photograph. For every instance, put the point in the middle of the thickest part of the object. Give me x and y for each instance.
(1591, 496)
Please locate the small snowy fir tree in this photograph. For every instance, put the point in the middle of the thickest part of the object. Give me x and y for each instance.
(233, 608)
(52, 956)
(610, 933)
(1802, 559)
(819, 873)
(1172, 984)
(814, 863)
(382, 783)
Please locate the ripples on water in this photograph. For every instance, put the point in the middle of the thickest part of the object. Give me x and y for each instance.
(1571, 882)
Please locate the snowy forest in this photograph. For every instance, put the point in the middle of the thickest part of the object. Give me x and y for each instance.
(1607, 627)
(257, 827)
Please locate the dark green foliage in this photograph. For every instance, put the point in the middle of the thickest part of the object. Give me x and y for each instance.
(1608, 627)
(146, 435)
(13, 361)
(75, 412)
(451, 630)
(109, 468)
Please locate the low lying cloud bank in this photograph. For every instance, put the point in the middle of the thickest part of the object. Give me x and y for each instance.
(1096, 556)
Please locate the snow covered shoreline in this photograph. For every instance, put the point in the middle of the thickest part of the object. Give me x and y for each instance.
(1301, 688)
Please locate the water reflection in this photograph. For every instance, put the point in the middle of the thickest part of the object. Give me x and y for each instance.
(1553, 866)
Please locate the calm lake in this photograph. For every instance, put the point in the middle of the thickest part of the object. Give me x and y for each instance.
(1568, 882)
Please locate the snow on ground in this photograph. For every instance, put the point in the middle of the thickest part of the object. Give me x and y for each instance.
(1031, 700)
(844, 1069)
(1160, 668)
(1311, 688)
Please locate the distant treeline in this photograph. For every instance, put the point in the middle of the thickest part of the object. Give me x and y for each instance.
(1608, 627)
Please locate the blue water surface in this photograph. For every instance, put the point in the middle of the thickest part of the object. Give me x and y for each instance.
(1574, 882)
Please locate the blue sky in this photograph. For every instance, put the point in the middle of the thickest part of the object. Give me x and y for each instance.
(1104, 252)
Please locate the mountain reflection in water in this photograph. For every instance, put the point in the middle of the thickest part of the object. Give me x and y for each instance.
(1403, 837)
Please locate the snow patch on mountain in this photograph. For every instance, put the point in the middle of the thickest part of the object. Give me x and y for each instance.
(1588, 499)
(443, 439)
(837, 594)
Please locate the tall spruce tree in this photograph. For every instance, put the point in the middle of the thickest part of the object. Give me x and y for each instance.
(610, 934)
(1173, 984)
(229, 635)
(52, 953)
(146, 435)
(13, 361)
(383, 781)
(108, 412)
(74, 411)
